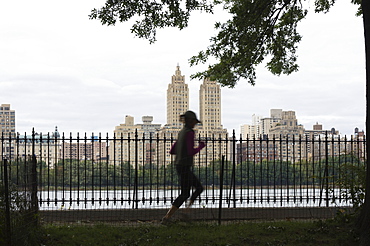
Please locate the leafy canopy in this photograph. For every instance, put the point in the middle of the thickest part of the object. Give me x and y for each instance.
(257, 30)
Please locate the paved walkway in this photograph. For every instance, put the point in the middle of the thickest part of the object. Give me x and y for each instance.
(197, 214)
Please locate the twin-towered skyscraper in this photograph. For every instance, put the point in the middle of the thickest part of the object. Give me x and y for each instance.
(209, 104)
(177, 104)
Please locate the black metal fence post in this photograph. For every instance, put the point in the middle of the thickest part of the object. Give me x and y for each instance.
(221, 189)
(326, 172)
(136, 180)
(233, 172)
(33, 186)
(33, 179)
(8, 229)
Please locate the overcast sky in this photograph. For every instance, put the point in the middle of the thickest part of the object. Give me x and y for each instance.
(58, 68)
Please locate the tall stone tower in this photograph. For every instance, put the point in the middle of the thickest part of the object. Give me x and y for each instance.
(177, 99)
(210, 105)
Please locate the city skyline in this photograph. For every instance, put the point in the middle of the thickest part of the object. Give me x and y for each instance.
(148, 119)
(172, 120)
(81, 76)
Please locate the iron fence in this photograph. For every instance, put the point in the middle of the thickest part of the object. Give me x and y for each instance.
(134, 171)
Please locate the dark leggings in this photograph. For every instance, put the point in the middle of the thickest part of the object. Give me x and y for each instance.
(187, 180)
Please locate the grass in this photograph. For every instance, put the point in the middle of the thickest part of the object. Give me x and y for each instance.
(329, 232)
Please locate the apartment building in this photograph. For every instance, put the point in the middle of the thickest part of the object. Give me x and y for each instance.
(284, 139)
(321, 143)
(7, 125)
(177, 104)
(256, 150)
(134, 143)
(46, 147)
(95, 150)
(252, 130)
(210, 105)
(317, 130)
(211, 127)
(209, 115)
(146, 151)
(7, 121)
(177, 99)
(266, 124)
(279, 126)
(261, 126)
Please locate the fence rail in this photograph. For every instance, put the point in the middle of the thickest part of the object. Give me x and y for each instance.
(133, 171)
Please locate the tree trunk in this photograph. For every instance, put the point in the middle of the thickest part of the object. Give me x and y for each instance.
(364, 219)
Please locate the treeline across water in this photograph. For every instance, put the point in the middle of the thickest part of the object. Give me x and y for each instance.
(333, 172)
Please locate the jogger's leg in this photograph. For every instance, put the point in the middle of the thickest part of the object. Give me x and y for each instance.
(185, 183)
(198, 188)
(170, 212)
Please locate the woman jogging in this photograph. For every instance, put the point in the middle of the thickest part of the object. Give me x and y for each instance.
(184, 150)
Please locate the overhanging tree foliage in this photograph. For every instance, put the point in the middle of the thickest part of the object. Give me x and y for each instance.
(257, 30)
